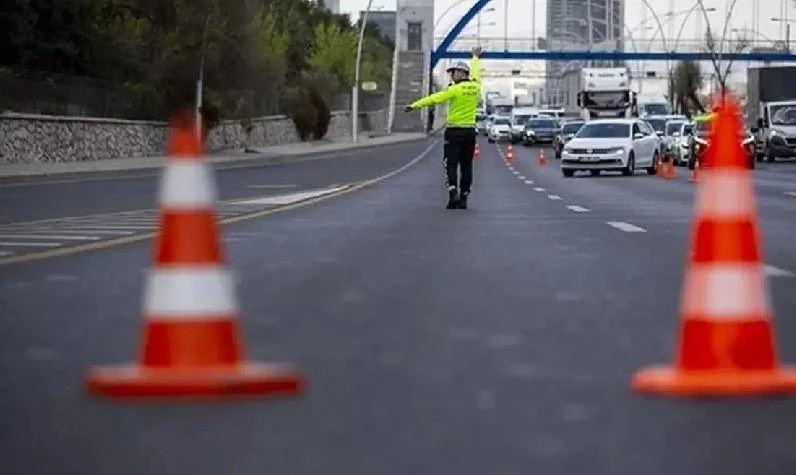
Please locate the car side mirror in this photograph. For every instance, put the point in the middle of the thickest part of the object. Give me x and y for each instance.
(638, 136)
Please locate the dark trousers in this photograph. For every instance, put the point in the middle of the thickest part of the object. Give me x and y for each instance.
(459, 147)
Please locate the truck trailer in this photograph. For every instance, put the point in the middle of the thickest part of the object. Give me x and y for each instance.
(771, 110)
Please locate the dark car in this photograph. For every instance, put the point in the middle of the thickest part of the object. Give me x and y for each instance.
(540, 130)
(565, 134)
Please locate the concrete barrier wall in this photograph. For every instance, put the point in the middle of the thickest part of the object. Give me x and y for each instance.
(26, 138)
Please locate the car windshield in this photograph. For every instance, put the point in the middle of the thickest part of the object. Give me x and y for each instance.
(687, 129)
(502, 121)
(783, 115)
(542, 124)
(571, 128)
(655, 109)
(657, 125)
(703, 127)
(521, 119)
(604, 131)
(673, 127)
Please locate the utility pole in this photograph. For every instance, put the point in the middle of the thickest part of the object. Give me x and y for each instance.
(533, 24)
(355, 91)
(506, 25)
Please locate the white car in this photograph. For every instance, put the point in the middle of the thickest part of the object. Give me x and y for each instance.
(612, 144)
(499, 129)
(671, 134)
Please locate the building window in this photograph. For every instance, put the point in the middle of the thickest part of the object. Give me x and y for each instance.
(414, 36)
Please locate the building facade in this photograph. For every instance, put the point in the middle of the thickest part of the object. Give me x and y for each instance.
(597, 25)
(384, 21)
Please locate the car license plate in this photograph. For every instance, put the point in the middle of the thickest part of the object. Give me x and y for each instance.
(590, 159)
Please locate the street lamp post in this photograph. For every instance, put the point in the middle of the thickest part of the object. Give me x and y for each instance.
(200, 80)
(355, 91)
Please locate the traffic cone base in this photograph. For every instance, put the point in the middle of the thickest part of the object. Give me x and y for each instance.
(670, 381)
(234, 380)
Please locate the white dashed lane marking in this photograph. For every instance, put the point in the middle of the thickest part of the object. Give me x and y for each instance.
(578, 209)
(539, 189)
(521, 177)
(772, 271)
(626, 227)
(555, 197)
(529, 182)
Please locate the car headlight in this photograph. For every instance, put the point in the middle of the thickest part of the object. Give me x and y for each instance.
(616, 150)
(775, 133)
(566, 151)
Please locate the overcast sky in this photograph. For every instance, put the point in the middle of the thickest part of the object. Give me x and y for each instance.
(520, 15)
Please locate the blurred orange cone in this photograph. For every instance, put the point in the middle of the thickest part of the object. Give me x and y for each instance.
(726, 345)
(477, 152)
(542, 159)
(510, 154)
(191, 342)
(661, 168)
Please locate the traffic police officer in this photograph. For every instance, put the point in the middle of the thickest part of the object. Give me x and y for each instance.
(463, 96)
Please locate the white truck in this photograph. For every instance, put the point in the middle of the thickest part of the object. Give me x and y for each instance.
(649, 105)
(771, 110)
(594, 93)
(519, 117)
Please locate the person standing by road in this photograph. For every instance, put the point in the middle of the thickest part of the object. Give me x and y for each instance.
(463, 97)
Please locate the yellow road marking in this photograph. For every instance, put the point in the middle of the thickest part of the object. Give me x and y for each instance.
(143, 237)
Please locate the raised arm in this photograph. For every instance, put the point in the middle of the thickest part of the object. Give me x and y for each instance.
(475, 65)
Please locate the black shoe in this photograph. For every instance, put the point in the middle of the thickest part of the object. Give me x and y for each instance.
(463, 201)
(453, 199)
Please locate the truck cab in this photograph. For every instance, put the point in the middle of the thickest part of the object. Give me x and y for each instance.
(605, 93)
(776, 130)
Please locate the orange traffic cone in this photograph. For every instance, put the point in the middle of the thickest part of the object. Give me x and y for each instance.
(510, 154)
(191, 338)
(661, 168)
(671, 173)
(542, 160)
(477, 152)
(726, 345)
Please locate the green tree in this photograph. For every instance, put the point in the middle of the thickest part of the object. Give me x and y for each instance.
(334, 52)
(686, 85)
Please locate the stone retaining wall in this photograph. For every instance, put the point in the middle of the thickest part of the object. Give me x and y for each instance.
(26, 138)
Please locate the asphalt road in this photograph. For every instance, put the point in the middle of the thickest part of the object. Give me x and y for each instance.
(497, 340)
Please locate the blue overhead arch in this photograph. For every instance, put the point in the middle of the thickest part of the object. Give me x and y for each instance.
(443, 52)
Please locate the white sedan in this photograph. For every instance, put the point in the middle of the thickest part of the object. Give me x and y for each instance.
(500, 129)
(612, 144)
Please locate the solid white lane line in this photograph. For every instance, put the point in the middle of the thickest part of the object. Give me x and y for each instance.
(578, 209)
(626, 227)
(529, 182)
(107, 226)
(81, 231)
(772, 271)
(5, 253)
(49, 237)
(29, 244)
(555, 197)
(539, 189)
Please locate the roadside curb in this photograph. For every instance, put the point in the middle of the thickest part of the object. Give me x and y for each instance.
(254, 159)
